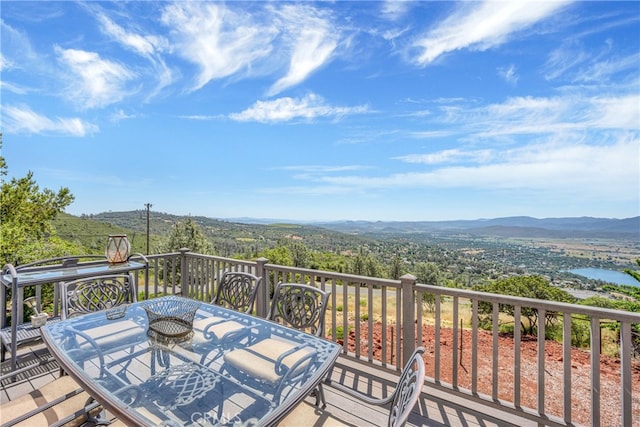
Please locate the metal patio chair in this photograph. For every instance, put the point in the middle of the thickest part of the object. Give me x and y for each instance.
(273, 364)
(109, 293)
(237, 291)
(402, 400)
(97, 293)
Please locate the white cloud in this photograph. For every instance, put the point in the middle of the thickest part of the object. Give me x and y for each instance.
(93, 81)
(573, 64)
(16, 46)
(481, 26)
(607, 170)
(147, 46)
(601, 71)
(314, 42)
(545, 116)
(430, 134)
(449, 156)
(17, 89)
(142, 45)
(395, 9)
(323, 168)
(286, 109)
(120, 115)
(5, 64)
(24, 120)
(509, 74)
(616, 112)
(220, 41)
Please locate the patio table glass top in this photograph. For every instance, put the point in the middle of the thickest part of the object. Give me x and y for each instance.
(147, 378)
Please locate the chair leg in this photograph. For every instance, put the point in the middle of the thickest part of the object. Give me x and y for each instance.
(319, 394)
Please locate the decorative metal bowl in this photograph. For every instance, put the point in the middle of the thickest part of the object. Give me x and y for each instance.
(171, 317)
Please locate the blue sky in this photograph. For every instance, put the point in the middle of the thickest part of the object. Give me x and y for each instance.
(329, 110)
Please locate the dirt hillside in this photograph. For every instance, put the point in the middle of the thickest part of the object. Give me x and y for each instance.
(580, 372)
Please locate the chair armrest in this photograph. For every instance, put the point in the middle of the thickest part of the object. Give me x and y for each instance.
(91, 342)
(358, 395)
(282, 369)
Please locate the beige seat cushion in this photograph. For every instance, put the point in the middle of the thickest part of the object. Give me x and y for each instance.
(51, 391)
(113, 335)
(219, 330)
(259, 360)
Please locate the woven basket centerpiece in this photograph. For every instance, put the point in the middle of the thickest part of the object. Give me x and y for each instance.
(171, 317)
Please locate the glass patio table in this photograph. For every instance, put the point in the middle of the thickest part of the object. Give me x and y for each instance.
(146, 374)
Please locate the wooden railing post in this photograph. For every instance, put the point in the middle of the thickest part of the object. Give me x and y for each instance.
(262, 299)
(185, 281)
(408, 282)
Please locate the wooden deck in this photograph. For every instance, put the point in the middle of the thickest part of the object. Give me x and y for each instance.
(437, 407)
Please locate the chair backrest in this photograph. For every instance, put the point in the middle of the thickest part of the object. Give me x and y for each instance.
(96, 293)
(237, 290)
(300, 306)
(408, 390)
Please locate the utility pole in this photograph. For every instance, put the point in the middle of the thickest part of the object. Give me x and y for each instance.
(148, 206)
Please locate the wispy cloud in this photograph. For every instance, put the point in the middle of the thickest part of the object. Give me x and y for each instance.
(24, 120)
(449, 156)
(314, 40)
(323, 168)
(429, 134)
(509, 74)
(120, 115)
(203, 117)
(481, 26)
(148, 46)
(315, 172)
(554, 165)
(217, 39)
(285, 109)
(395, 9)
(93, 81)
(544, 115)
(602, 71)
(574, 64)
(17, 89)
(142, 45)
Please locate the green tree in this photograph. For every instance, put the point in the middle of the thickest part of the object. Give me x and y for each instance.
(373, 267)
(428, 273)
(359, 263)
(26, 215)
(187, 234)
(279, 255)
(365, 264)
(299, 254)
(632, 273)
(396, 269)
(523, 286)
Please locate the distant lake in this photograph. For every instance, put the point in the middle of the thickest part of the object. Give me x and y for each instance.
(611, 276)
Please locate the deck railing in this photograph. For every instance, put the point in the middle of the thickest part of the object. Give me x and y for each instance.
(368, 317)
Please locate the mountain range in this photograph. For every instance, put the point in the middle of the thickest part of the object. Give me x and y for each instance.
(517, 226)
(627, 229)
